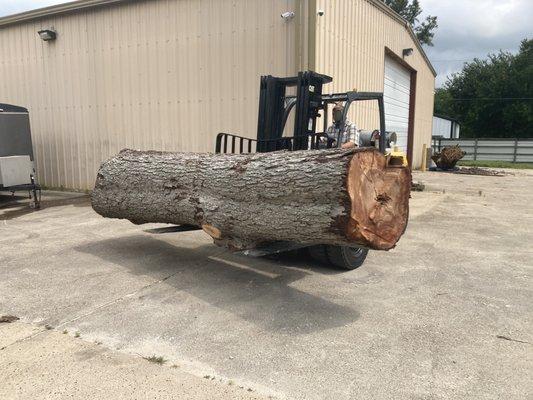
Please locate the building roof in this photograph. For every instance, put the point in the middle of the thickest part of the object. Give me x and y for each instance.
(445, 117)
(77, 5)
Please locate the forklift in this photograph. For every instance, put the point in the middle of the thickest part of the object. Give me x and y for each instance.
(275, 106)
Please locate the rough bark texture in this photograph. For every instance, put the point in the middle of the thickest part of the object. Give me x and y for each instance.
(448, 157)
(339, 197)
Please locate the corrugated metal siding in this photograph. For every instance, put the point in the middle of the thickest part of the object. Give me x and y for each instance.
(165, 74)
(350, 46)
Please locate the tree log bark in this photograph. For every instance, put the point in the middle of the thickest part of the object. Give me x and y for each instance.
(339, 197)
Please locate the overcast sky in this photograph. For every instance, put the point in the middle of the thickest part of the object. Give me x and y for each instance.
(474, 28)
(467, 28)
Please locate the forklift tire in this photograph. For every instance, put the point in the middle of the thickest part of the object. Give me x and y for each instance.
(342, 257)
(347, 258)
(318, 253)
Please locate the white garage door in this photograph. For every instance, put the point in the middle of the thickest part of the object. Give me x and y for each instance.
(396, 98)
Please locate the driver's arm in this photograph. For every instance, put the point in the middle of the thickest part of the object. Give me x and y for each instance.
(348, 145)
(353, 137)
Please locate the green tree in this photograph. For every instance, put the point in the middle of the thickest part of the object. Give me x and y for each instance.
(410, 10)
(492, 97)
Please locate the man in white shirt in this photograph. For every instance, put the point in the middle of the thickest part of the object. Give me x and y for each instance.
(342, 134)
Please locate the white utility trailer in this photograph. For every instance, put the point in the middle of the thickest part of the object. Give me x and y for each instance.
(17, 172)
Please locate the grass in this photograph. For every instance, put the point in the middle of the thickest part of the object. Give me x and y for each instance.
(157, 360)
(495, 164)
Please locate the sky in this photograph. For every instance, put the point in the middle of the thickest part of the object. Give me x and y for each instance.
(467, 28)
(474, 28)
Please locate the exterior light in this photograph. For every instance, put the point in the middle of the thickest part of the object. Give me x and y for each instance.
(407, 52)
(47, 34)
(287, 15)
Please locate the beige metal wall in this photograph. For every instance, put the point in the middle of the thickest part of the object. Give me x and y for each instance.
(165, 74)
(351, 38)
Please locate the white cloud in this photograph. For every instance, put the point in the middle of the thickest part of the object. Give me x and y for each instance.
(474, 28)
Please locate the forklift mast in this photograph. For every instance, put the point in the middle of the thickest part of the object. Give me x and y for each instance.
(275, 105)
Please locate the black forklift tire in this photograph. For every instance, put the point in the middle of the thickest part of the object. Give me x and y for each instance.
(318, 252)
(347, 258)
(342, 257)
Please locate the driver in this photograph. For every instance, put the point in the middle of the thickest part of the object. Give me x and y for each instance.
(342, 134)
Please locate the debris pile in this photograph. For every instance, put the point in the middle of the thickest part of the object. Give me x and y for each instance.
(478, 171)
(417, 186)
(8, 319)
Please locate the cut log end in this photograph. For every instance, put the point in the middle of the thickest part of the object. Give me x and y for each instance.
(379, 196)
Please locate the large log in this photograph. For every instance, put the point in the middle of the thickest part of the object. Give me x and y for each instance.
(338, 197)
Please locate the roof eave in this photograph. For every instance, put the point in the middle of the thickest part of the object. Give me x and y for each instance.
(446, 118)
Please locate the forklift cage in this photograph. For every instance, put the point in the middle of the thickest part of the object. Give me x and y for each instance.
(275, 106)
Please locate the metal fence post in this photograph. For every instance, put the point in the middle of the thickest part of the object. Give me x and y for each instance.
(515, 149)
(475, 149)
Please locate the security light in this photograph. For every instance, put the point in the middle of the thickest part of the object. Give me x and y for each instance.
(47, 34)
(407, 52)
(287, 15)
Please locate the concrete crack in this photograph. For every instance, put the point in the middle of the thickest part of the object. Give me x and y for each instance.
(128, 295)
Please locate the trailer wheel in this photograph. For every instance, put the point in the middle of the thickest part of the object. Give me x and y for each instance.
(345, 257)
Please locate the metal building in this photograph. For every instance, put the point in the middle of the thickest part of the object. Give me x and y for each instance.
(445, 127)
(171, 74)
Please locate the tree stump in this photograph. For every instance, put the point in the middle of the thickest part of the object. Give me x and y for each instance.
(448, 157)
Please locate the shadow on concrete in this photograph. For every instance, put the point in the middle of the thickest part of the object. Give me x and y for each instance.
(13, 206)
(11, 200)
(256, 290)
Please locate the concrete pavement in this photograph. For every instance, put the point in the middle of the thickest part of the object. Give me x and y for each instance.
(429, 319)
(37, 363)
